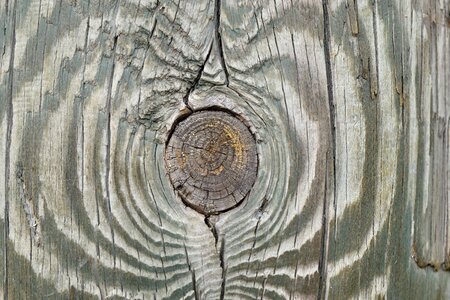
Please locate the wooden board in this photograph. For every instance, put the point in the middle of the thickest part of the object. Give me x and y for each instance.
(349, 104)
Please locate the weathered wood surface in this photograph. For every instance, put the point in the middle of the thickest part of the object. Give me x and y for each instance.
(211, 160)
(349, 101)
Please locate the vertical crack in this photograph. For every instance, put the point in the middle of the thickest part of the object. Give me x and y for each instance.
(28, 206)
(259, 214)
(196, 80)
(210, 221)
(108, 148)
(324, 243)
(9, 113)
(194, 280)
(224, 269)
(218, 40)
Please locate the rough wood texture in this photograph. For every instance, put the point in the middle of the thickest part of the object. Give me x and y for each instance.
(349, 102)
(390, 70)
(212, 161)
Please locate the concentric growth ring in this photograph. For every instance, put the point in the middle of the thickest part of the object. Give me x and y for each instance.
(212, 161)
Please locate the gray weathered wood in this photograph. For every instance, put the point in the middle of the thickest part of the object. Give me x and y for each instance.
(390, 70)
(349, 104)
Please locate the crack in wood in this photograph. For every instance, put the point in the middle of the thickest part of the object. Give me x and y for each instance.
(323, 260)
(29, 207)
(211, 221)
(218, 40)
(108, 145)
(196, 81)
(224, 268)
(192, 270)
(9, 119)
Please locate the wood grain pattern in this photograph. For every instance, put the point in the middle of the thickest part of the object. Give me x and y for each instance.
(348, 101)
(385, 77)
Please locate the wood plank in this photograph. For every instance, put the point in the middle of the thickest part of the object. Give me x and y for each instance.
(431, 227)
(385, 78)
(347, 100)
(272, 245)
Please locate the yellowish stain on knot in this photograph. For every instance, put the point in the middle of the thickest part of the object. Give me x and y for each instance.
(229, 136)
(218, 170)
(236, 143)
(181, 158)
(232, 138)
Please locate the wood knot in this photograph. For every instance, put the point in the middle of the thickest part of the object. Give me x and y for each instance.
(212, 161)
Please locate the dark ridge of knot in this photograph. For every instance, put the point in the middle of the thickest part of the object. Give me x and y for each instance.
(212, 161)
